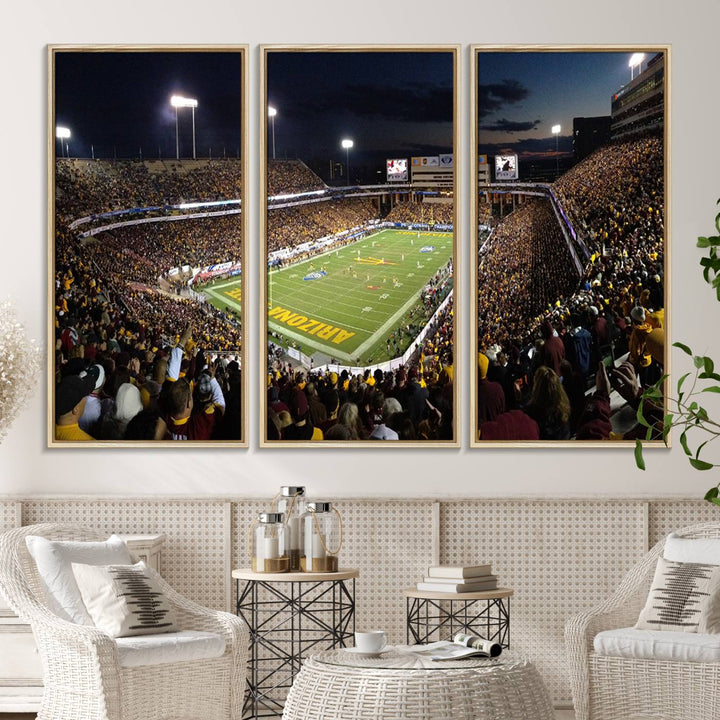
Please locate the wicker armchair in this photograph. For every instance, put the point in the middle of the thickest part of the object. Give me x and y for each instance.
(82, 674)
(614, 688)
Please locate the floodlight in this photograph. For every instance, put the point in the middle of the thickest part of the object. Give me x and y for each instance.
(178, 101)
(272, 112)
(636, 60)
(555, 130)
(347, 144)
(62, 132)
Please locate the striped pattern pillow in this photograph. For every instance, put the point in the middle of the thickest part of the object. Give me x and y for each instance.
(684, 597)
(124, 600)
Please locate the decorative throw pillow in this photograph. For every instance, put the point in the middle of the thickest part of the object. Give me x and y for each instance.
(692, 550)
(684, 597)
(53, 559)
(124, 600)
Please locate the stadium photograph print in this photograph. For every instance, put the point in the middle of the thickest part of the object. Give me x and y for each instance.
(571, 168)
(146, 164)
(359, 168)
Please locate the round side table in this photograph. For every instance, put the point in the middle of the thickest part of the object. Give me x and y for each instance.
(340, 685)
(290, 615)
(485, 613)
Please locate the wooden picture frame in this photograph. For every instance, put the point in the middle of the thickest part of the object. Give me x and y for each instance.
(147, 181)
(324, 226)
(551, 254)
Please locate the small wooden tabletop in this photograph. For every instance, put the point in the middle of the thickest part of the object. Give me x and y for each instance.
(248, 574)
(496, 594)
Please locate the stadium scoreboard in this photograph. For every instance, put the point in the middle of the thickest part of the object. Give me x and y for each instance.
(506, 167)
(397, 170)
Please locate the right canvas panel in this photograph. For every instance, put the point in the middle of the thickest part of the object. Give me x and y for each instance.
(570, 168)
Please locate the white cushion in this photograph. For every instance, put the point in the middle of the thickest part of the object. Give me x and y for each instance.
(658, 645)
(169, 648)
(124, 600)
(692, 550)
(54, 558)
(683, 597)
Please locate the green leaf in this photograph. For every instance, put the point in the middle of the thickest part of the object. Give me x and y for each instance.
(701, 464)
(709, 364)
(700, 447)
(703, 242)
(712, 388)
(641, 416)
(709, 376)
(639, 461)
(667, 425)
(699, 361)
(712, 493)
(684, 348)
(715, 501)
(684, 443)
(702, 414)
(680, 384)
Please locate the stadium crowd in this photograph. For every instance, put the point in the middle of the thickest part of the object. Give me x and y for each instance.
(111, 310)
(87, 187)
(290, 177)
(289, 227)
(540, 357)
(422, 213)
(402, 405)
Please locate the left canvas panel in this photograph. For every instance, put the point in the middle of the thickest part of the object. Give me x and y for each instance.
(147, 179)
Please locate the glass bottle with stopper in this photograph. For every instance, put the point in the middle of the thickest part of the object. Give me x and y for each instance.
(322, 537)
(269, 547)
(291, 502)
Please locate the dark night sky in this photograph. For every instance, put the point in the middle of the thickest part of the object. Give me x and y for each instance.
(120, 102)
(521, 95)
(391, 104)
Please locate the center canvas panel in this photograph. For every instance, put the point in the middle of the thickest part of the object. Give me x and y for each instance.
(360, 216)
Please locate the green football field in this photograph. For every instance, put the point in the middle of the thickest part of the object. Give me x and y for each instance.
(346, 303)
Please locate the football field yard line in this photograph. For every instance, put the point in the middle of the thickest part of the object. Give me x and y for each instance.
(348, 295)
(226, 299)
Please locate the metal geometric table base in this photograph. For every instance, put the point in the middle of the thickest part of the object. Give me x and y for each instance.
(431, 620)
(288, 620)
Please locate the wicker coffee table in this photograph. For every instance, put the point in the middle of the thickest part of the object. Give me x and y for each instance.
(340, 685)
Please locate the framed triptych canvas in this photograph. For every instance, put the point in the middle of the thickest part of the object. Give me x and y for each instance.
(359, 220)
(569, 214)
(147, 153)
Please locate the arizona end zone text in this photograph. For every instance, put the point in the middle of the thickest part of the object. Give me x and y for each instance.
(311, 327)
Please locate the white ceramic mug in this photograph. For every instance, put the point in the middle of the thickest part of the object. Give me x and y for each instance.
(372, 641)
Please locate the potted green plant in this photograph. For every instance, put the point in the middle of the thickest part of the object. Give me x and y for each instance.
(684, 410)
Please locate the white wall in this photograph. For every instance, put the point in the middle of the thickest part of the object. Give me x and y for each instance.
(27, 467)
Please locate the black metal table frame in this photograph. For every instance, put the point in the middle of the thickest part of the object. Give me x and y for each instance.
(295, 623)
(426, 616)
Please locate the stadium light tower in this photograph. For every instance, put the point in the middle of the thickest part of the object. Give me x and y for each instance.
(636, 61)
(347, 144)
(272, 112)
(177, 101)
(62, 134)
(555, 130)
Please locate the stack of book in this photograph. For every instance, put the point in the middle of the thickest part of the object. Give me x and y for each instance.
(458, 579)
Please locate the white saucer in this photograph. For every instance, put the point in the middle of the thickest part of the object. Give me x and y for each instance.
(356, 651)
